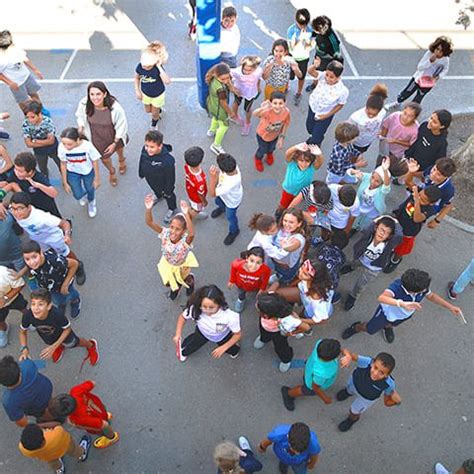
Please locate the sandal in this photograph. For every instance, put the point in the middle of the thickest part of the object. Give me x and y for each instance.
(122, 166)
(113, 179)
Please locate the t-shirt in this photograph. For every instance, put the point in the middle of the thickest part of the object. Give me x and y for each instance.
(268, 245)
(447, 190)
(341, 157)
(438, 68)
(271, 124)
(398, 131)
(217, 326)
(325, 97)
(38, 132)
(230, 40)
(195, 184)
(52, 273)
(333, 258)
(339, 214)
(151, 83)
(296, 179)
(279, 437)
(313, 206)
(300, 41)
(293, 257)
(79, 159)
(10, 244)
(317, 310)
(50, 328)
(280, 73)
(372, 253)
(369, 128)
(320, 372)
(175, 253)
(365, 386)
(405, 214)
(217, 92)
(57, 442)
(246, 84)
(229, 189)
(246, 280)
(8, 283)
(12, 64)
(31, 397)
(367, 202)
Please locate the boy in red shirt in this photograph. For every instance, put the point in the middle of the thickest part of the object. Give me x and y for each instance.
(85, 411)
(249, 274)
(196, 186)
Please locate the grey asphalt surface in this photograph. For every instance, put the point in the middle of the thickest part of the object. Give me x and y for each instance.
(171, 415)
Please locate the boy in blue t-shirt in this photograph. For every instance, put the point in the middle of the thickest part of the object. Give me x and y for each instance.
(369, 380)
(398, 303)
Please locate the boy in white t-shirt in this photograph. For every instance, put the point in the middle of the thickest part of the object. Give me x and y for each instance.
(346, 207)
(226, 186)
(230, 37)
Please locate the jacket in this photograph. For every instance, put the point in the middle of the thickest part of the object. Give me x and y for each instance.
(158, 170)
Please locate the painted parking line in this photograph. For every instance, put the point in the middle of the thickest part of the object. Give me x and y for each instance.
(347, 57)
(68, 65)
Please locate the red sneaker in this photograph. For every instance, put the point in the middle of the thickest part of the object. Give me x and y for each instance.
(93, 353)
(58, 354)
(258, 164)
(270, 159)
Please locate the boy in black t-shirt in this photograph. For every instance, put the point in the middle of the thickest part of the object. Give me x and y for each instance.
(53, 328)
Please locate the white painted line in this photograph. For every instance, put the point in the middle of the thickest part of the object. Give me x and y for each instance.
(68, 65)
(347, 57)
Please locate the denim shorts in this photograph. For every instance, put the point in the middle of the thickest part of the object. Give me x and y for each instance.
(30, 86)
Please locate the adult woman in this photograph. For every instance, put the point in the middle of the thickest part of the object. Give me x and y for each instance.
(102, 120)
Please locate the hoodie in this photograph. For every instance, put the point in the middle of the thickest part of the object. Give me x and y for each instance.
(158, 170)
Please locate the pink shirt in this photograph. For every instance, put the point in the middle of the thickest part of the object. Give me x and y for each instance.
(270, 325)
(246, 84)
(398, 131)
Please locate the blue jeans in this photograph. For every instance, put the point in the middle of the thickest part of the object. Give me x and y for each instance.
(248, 463)
(82, 184)
(316, 128)
(230, 214)
(61, 300)
(467, 276)
(298, 468)
(264, 147)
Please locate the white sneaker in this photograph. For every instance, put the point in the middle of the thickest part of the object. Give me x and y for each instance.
(61, 469)
(83, 201)
(244, 443)
(168, 216)
(300, 335)
(201, 215)
(284, 367)
(392, 106)
(440, 469)
(258, 344)
(92, 208)
(217, 149)
(210, 133)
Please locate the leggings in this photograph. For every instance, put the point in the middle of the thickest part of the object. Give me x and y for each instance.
(280, 343)
(196, 340)
(410, 89)
(220, 127)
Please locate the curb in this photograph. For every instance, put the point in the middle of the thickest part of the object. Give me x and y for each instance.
(459, 224)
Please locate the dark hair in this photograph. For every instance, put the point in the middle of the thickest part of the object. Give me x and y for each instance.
(299, 437)
(415, 281)
(32, 106)
(261, 222)
(302, 16)
(62, 405)
(216, 71)
(229, 12)
(9, 371)
(273, 305)
(41, 294)
(446, 166)
(256, 251)
(26, 160)
(339, 239)
(445, 43)
(305, 155)
(211, 292)
(329, 349)
(433, 193)
(322, 282)
(445, 118)
(322, 20)
(345, 132)
(387, 360)
(321, 192)
(30, 246)
(154, 136)
(347, 195)
(108, 99)
(72, 133)
(280, 42)
(32, 437)
(298, 213)
(398, 166)
(193, 156)
(468, 466)
(6, 39)
(377, 96)
(387, 221)
(277, 95)
(335, 67)
(181, 219)
(226, 162)
(415, 106)
(21, 198)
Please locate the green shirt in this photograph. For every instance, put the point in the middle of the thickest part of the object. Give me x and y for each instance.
(217, 91)
(320, 372)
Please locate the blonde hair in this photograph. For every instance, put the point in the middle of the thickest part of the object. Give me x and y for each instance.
(251, 61)
(154, 53)
(226, 457)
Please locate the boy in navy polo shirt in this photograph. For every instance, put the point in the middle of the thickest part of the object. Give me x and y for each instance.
(369, 380)
(398, 303)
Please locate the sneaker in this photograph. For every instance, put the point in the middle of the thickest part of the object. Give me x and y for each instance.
(342, 395)
(297, 99)
(245, 129)
(83, 201)
(388, 335)
(288, 401)
(58, 354)
(156, 199)
(270, 159)
(190, 289)
(308, 333)
(284, 366)
(237, 120)
(345, 269)
(174, 294)
(244, 444)
(258, 344)
(346, 425)
(452, 295)
(258, 164)
(239, 305)
(211, 133)
(201, 215)
(80, 274)
(62, 468)
(181, 357)
(103, 442)
(217, 212)
(169, 215)
(92, 208)
(93, 353)
(85, 444)
(234, 356)
(4, 135)
(392, 106)
(75, 308)
(229, 240)
(4, 337)
(350, 331)
(310, 88)
(217, 149)
(300, 335)
(392, 264)
(349, 303)
(440, 469)
(337, 297)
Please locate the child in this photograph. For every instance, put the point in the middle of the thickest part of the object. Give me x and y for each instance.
(54, 273)
(230, 459)
(246, 79)
(54, 329)
(79, 168)
(215, 322)
(196, 186)
(369, 119)
(303, 160)
(277, 69)
(346, 207)
(230, 37)
(299, 36)
(398, 303)
(328, 98)
(39, 134)
(177, 257)
(157, 166)
(150, 80)
(370, 379)
(277, 323)
(371, 254)
(219, 80)
(226, 186)
(274, 122)
(458, 286)
(85, 410)
(249, 274)
(344, 156)
(320, 373)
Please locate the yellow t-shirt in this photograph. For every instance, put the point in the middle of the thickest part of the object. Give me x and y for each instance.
(55, 447)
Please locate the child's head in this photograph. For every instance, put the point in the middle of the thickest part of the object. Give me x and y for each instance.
(25, 165)
(322, 25)
(254, 258)
(264, 223)
(382, 366)
(280, 48)
(226, 457)
(398, 166)
(32, 254)
(9, 371)
(293, 221)
(6, 39)
(154, 54)
(278, 100)
(441, 46)
(98, 96)
(226, 163)
(273, 306)
(376, 99)
(430, 195)
(62, 405)
(376, 178)
(20, 205)
(384, 228)
(346, 132)
(71, 138)
(207, 300)
(321, 281)
(229, 17)
(329, 349)
(153, 142)
(41, 303)
(321, 192)
(220, 71)
(410, 113)
(334, 72)
(439, 121)
(304, 159)
(467, 467)
(339, 239)
(442, 169)
(32, 437)
(299, 437)
(32, 110)
(177, 228)
(347, 195)
(415, 281)
(193, 156)
(302, 17)
(250, 63)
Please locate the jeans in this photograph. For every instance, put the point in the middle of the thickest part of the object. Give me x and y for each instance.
(316, 128)
(264, 147)
(467, 276)
(230, 214)
(82, 184)
(298, 468)
(410, 89)
(43, 153)
(364, 278)
(61, 300)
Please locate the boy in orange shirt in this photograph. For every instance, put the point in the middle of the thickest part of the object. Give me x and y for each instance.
(274, 122)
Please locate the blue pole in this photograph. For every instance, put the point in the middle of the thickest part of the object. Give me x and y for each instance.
(208, 42)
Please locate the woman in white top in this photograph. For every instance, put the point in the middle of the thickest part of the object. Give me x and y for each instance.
(215, 322)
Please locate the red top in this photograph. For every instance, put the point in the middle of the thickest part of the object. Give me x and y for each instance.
(90, 412)
(249, 281)
(195, 184)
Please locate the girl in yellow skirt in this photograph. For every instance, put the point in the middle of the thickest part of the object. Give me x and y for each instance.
(177, 257)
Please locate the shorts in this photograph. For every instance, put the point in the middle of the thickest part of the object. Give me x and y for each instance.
(247, 102)
(285, 199)
(71, 341)
(228, 59)
(269, 89)
(362, 149)
(307, 392)
(405, 247)
(19, 303)
(30, 86)
(196, 206)
(303, 65)
(333, 178)
(157, 102)
(379, 321)
(360, 404)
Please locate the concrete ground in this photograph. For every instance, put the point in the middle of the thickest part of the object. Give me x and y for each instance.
(171, 415)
